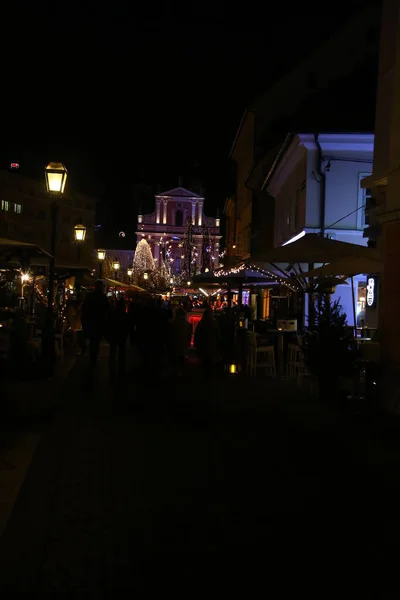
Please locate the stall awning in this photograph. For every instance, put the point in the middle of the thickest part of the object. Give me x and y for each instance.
(348, 267)
(312, 248)
(14, 251)
(120, 284)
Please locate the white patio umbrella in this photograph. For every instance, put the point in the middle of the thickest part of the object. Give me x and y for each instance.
(312, 248)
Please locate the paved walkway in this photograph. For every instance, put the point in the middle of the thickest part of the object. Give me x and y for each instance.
(168, 485)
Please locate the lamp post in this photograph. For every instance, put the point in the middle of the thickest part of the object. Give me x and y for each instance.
(56, 177)
(116, 267)
(129, 273)
(101, 255)
(79, 236)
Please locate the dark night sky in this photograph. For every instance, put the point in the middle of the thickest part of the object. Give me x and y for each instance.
(126, 98)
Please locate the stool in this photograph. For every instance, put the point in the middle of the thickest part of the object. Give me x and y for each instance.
(267, 362)
(294, 361)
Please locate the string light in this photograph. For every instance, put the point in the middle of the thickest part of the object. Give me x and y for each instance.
(266, 274)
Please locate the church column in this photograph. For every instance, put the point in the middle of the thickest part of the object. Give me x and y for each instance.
(165, 212)
(200, 215)
(193, 213)
(158, 205)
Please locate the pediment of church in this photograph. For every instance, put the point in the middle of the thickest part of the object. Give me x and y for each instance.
(180, 192)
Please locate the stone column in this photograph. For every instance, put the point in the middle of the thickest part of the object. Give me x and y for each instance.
(200, 214)
(194, 213)
(165, 212)
(158, 206)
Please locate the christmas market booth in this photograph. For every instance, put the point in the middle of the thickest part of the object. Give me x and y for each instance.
(251, 286)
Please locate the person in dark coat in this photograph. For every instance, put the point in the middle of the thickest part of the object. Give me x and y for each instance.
(117, 335)
(95, 311)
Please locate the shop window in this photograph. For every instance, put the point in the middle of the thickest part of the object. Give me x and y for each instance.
(361, 302)
(364, 202)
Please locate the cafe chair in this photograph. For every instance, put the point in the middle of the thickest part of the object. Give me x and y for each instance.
(259, 357)
(294, 361)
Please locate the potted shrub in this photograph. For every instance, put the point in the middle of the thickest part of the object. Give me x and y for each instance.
(328, 347)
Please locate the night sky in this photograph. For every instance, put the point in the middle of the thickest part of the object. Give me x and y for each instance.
(126, 98)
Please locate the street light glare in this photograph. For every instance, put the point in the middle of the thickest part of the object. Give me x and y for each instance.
(56, 177)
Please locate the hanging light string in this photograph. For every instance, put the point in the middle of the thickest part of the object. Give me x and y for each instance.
(267, 274)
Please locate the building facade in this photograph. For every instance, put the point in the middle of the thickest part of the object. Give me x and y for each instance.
(25, 215)
(384, 206)
(333, 89)
(315, 185)
(164, 229)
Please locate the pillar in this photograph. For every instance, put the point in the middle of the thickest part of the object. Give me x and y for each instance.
(194, 213)
(165, 202)
(158, 206)
(200, 214)
(240, 294)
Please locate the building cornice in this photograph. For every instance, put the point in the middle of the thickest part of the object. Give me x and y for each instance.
(334, 142)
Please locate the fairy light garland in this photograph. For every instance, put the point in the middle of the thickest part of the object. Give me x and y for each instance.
(267, 274)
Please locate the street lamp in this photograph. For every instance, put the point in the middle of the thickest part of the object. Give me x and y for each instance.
(80, 233)
(129, 273)
(145, 275)
(116, 267)
(79, 236)
(56, 178)
(101, 255)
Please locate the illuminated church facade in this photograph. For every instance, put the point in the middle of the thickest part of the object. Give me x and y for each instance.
(164, 229)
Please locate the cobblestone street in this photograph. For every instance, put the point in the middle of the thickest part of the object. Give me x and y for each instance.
(167, 484)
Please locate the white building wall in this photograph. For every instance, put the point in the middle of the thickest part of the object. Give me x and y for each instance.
(296, 187)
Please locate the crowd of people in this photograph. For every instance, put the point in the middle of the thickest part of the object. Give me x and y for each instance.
(159, 330)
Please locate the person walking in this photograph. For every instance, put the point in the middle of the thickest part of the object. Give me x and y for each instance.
(180, 336)
(95, 311)
(117, 335)
(206, 341)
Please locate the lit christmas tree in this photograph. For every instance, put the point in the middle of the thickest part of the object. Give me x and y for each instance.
(206, 251)
(189, 253)
(143, 260)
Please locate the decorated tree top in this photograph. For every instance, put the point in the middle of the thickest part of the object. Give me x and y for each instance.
(206, 251)
(188, 252)
(143, 259)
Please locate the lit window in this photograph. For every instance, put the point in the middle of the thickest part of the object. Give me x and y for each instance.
(4, 205)
(18, 208)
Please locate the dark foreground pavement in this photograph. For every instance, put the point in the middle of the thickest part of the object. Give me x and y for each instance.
(163, 485)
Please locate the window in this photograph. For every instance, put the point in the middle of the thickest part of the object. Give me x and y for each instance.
(179, 218)
(5, 205)
(17, 208)
(364, 202)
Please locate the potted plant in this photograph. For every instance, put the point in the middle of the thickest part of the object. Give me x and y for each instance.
(328, 347)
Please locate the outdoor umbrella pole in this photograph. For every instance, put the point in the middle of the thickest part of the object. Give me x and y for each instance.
(354, 307)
